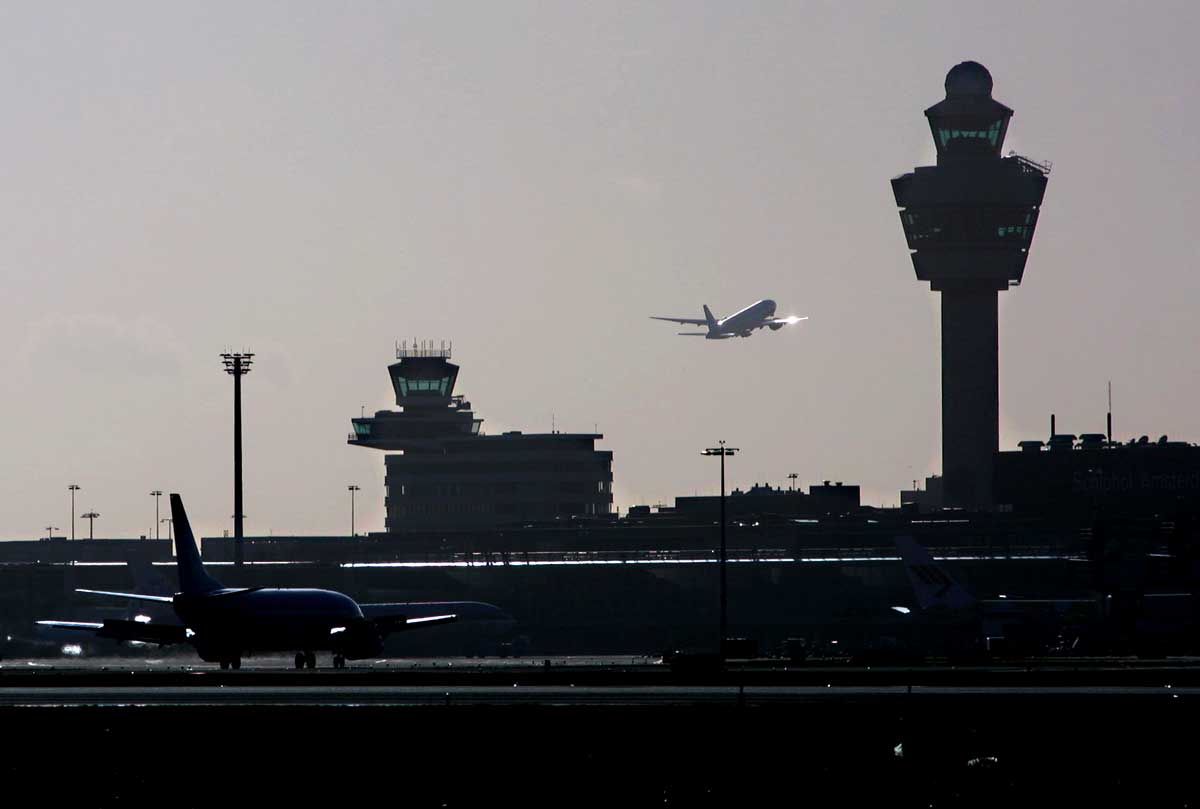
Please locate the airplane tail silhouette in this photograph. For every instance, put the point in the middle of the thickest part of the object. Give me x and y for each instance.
(708, 316)
(193, 578)
(933, 586)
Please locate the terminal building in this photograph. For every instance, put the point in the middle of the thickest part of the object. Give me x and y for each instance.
(1090, 475)
(442, 471)
(765, 502)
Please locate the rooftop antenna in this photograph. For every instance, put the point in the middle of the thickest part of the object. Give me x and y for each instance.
(553, 427)
(1110, 411)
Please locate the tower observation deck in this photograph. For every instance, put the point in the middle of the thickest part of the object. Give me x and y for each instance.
(443, 472)
(969, 224)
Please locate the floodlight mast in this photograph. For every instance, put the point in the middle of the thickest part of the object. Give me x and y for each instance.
(352, 488)
(156, 494)
(74, 487)
(237, 365)
(722, 451)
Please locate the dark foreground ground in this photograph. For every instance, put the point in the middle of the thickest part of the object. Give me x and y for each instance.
(978, 747)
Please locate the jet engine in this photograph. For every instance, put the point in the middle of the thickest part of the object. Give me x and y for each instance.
(775, 326)
(358, 640)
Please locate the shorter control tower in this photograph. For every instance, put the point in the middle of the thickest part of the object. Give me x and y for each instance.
(441, 471)
(969, 223)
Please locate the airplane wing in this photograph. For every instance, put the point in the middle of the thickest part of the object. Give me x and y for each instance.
(387, 624)
(133, 596)
(162, 634)
(399, 616)
(478, 610)
(687, 321)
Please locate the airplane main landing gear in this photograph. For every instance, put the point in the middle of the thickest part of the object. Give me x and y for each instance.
(306, 659)
(339, 662)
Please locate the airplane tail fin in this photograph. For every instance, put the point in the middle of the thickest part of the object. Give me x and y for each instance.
(933, 586)
(193, 579)
(708, 316)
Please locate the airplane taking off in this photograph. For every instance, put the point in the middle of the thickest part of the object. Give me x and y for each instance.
(224, 623)
(740, 324)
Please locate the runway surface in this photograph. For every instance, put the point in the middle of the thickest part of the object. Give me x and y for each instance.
(467, 732)
(387, 696)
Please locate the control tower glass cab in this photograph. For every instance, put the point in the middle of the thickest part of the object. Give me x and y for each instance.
(969, 224)
(423, 381)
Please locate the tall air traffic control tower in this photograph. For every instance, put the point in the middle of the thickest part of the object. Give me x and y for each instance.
(969, 222)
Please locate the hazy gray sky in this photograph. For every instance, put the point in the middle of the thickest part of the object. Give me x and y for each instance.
(313, 181)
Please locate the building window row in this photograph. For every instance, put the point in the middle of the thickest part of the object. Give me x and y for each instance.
(472, 489)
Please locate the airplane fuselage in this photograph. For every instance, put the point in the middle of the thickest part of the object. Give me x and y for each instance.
(232, 622)
(744, 322)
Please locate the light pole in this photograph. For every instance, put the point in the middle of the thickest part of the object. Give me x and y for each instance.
(91, 518)
(722, 450)
(74, 488)
(168, 521)
(793, 477)
(237, 366)
(50, 529)
(156, 494)
(352, 488)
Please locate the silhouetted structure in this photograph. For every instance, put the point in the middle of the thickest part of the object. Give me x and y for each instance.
(452, 476)
(969, 223)
(766, 502)
(722, 452)
(1089, 475)
(237, 365)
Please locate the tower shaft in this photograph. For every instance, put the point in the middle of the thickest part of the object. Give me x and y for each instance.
(970, 394)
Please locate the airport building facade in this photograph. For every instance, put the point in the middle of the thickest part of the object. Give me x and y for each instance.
(1092, 476)
(442, 471)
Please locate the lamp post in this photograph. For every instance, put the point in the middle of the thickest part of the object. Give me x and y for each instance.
(168, 521)
(73, 488)
(793, 477)
(156, 494)
(91, 518)
(722, 451)
(237, 366)
(50, 529)
(352, 488)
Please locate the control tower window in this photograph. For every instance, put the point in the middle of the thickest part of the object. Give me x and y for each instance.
(989, 135)
(438, 387)
(362, 429)
(999, 226)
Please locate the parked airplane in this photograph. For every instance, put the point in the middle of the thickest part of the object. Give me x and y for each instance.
(225, 623)
(958, 621)
(740, 324)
